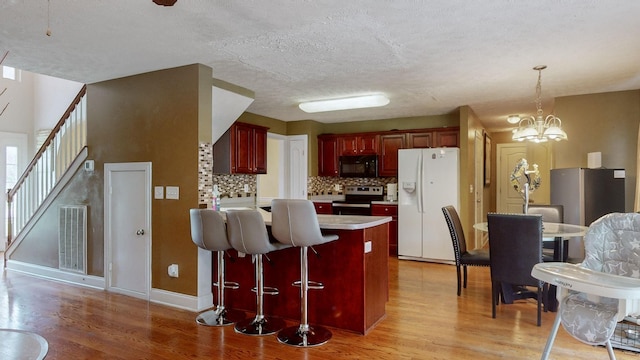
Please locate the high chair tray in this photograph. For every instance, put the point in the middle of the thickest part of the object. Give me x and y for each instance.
(575, 277)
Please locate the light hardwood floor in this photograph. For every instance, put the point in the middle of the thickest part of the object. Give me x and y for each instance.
(425, 320)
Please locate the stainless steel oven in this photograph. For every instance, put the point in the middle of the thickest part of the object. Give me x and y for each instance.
(358, 200)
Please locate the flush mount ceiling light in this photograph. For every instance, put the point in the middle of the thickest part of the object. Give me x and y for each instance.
(513, 119)
(538, 128)
(356, 102)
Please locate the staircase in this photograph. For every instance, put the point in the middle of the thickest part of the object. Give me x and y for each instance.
(63, 151)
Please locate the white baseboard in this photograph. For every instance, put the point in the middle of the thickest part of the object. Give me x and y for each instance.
(159, 296)
(181, 301)
(91, 281)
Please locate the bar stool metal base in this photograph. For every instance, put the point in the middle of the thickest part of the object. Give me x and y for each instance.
(313, 336)
(265, 326)
(219, 317)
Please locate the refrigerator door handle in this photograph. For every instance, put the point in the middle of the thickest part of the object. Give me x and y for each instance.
(419, 185)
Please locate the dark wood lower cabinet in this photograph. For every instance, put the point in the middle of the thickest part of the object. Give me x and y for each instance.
(354, 270)
(323, 208)
(389, 210)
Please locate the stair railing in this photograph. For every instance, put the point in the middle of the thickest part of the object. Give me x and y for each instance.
(54, 157)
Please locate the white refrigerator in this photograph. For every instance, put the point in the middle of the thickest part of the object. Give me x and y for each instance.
(428, 179)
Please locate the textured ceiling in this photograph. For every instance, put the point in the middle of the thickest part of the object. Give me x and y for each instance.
(429, 57)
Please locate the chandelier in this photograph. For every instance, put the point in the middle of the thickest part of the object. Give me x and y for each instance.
(538, 128)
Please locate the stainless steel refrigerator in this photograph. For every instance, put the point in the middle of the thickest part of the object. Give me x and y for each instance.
(586, 195)
(428, 179)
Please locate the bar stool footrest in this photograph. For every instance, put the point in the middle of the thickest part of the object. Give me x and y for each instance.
(229, 285)
(267, 290)
(314, 285)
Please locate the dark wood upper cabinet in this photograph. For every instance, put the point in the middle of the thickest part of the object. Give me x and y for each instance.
(241, 150)
(446, 138)
(433, 138)
(366, 144)
(384, 144)
(328, 155)
(420, 140)
(388, 159)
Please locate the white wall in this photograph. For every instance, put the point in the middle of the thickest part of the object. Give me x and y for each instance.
(269, 184)
(52, 97)
(35, 102)
(18, 117)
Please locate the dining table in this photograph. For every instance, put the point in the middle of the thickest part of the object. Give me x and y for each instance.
(550, 231)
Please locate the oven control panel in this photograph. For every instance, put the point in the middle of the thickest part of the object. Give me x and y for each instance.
(363, 190)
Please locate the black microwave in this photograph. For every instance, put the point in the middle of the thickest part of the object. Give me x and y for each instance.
(359, 166)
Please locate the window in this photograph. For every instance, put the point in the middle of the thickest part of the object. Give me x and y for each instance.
(11, 167)
(10, 73)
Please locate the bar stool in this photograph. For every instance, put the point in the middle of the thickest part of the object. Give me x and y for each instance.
(295, 222)
(208, 232)
(248, 234)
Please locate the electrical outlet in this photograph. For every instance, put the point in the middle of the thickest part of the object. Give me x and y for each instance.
(246, 188)
(173, 270)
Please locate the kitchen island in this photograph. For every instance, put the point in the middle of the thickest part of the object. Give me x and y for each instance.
(353, 269)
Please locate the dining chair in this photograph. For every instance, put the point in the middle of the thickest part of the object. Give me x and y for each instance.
(464, 257)
(559, 248)
(599, 292)
(515, 246)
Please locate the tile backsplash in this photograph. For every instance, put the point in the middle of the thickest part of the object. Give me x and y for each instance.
(326, 185)
(229, 186)
(232, 186)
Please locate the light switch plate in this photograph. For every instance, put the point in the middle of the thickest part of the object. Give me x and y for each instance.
(158, 192)
(173, 192)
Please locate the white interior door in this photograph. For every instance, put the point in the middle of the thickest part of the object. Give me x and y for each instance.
(508, 155)
(287, 165)
(13, 160)
(128, 228)
(298, 164)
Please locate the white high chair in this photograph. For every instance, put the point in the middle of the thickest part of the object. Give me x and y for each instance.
(598, 293)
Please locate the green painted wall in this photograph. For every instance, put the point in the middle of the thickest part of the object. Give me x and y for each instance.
(156, 117)
(604, 122)
(275, 126)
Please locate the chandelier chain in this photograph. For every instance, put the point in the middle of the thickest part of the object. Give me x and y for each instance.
(539, 93)
(538, 128)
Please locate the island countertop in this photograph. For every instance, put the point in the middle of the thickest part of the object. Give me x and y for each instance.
(329, 222)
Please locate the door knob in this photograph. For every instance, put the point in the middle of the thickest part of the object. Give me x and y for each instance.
(140, 232)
